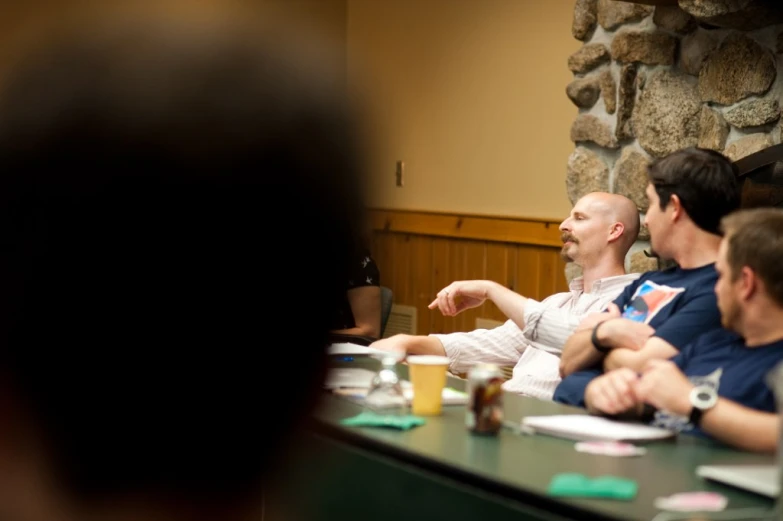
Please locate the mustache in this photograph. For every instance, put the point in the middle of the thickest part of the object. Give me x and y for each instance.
(565, 237)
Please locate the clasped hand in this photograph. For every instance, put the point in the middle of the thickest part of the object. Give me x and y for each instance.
(661, 384)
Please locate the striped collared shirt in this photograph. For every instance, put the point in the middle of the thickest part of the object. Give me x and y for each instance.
(534, 351)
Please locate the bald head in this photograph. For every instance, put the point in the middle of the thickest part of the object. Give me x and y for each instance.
(600, 224)
(617, 208)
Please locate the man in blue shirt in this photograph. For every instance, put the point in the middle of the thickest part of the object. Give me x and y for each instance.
(689, 191)
(717, 385)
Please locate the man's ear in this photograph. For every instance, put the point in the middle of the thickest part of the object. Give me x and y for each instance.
(616, 231)
(748, 283)
(676, 206)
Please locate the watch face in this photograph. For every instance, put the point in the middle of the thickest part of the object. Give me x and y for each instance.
(704, 397)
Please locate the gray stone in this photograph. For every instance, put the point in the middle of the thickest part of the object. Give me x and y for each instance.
(667, 115)
(588, 58)
(656, 48)
(739, 68)
(672, 18)
(644, 233)
(694, 48)
(613, 13)
(584, 19)
(587, 127)
(747, 145)
(572, 271)
(630, 178)
(712, 8)
(779, 46)
(641, 80)
(743, 15)
(586, 172)
(640, 263)
(627, 100)
(754, 113)
(609, 91)
(584, 91)
(713, 129)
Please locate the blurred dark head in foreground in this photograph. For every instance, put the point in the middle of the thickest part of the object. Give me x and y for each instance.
(180, 198)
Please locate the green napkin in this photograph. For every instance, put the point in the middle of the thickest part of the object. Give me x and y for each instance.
(371, 419)
(579, 485)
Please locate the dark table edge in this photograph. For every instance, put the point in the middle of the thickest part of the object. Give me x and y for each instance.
(547, 505)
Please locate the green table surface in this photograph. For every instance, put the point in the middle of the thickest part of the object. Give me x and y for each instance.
(520, 466)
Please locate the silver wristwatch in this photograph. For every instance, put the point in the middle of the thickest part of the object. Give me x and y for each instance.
(702, 398)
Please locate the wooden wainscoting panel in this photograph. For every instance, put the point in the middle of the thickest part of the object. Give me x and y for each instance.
(402, 279)
(551, 277)
(496, 229)
(419, 258)
(475, 269)
(420, 274)
(526, 271)
(383, 254)
(458, 258)
(500, 262)
(441, 277)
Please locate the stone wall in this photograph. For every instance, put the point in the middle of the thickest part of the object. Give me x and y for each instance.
(650, 80)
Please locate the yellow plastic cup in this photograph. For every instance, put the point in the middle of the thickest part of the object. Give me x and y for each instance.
(428, 376)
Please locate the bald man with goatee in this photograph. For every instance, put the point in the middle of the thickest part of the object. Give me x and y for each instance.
(596, 236)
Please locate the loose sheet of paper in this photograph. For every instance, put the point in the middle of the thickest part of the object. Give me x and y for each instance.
(584, 427)
(348, 349)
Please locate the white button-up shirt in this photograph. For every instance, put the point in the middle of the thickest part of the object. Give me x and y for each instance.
(534, 351)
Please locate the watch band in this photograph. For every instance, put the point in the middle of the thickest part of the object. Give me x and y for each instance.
(596, 344)
(702, 398)
(695, 417)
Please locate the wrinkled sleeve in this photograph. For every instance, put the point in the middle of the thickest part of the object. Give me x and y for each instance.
(501, 345)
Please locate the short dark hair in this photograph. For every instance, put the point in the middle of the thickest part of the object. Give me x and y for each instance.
(180, 205)
(704, 180)
(755, 240)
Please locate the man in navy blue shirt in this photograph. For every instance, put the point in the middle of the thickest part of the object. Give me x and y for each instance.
(717, 385)
(689, 191)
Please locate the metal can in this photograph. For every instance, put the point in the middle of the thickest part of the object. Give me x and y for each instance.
(485, 399)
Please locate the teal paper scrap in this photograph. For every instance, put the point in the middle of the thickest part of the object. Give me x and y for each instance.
(579, 485)
(371, 419)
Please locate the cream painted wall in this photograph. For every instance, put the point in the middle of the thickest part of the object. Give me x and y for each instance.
(471, 95)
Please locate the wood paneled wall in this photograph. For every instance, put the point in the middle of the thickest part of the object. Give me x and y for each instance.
(419, 253)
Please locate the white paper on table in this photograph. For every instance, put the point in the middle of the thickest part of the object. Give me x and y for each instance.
(349, 349)
(355, 382)
(583, 427)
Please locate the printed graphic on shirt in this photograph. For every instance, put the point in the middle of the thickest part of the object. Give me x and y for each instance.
(648, 300)
(674, 422)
